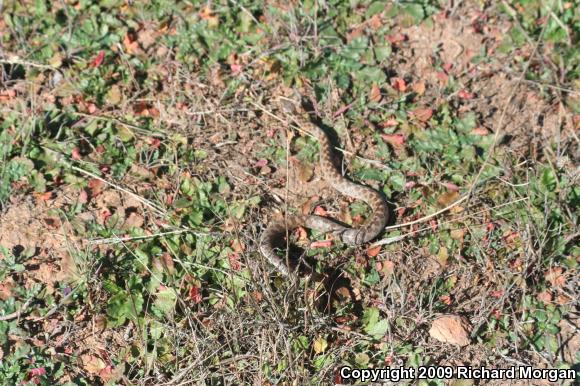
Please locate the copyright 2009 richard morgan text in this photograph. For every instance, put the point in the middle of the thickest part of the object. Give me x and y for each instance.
(396, 374)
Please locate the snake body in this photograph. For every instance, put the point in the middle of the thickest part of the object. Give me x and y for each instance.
(274, 235)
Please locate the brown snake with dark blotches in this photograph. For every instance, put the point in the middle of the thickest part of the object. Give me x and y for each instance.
(275, 233)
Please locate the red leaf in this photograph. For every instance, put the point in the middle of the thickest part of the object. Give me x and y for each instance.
(301, 233)
(342, 110)
(76, 154)
(490, 226)
(447, 67)
(261, 163)
(482, 131)
(391, 122)
(234, 259)
(194, 295)
(443, 78)
(450, 186)
(497, 294)
(154, 143)
(434, 225)
(321, 244)
(95, 187)
(45, 196)
(397, 38)
(37, 371)
(106, 213)
(396, 140)
(320, 211)
(98, 60)
(399, 84)
(446, 299)
(91, 108)
(83, 197)
(373, 251)
(337, 378)
(464, 94)
(236, 68)
(6, 96)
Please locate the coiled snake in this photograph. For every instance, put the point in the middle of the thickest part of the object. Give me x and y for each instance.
(274, 235)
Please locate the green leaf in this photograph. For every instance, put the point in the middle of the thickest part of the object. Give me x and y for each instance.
(370, 174)
(382, 51)
(373, 326)
(123, 306)
(362, 360)
(379, 330)
(375, 8)
(467, 123)
(372, 75)
(125, 134)
(165, 302)
(370, 317)
(548, 179)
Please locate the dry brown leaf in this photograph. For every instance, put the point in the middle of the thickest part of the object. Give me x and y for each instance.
(555, 277)
(114, 95)
(545, 296)
(375, 94)
(442, 256)
(237, 245)
(146, 37)
(167, 260)
(423, 114)
(7, 95)
(208, 15)
(304, 171)
(133, 220)
(355, 33)
(92, 364)
(453, 329)
(305, 207)
(419, 87)
(457, 234)
(447, 198)
(130, 43)
(446, 299)
(376, 21)
(6, 287)
(386, 268)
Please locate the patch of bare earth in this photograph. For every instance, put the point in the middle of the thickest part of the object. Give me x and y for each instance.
(56, 257)
(464, 49)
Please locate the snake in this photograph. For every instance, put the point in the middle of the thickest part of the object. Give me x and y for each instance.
(273, 237)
